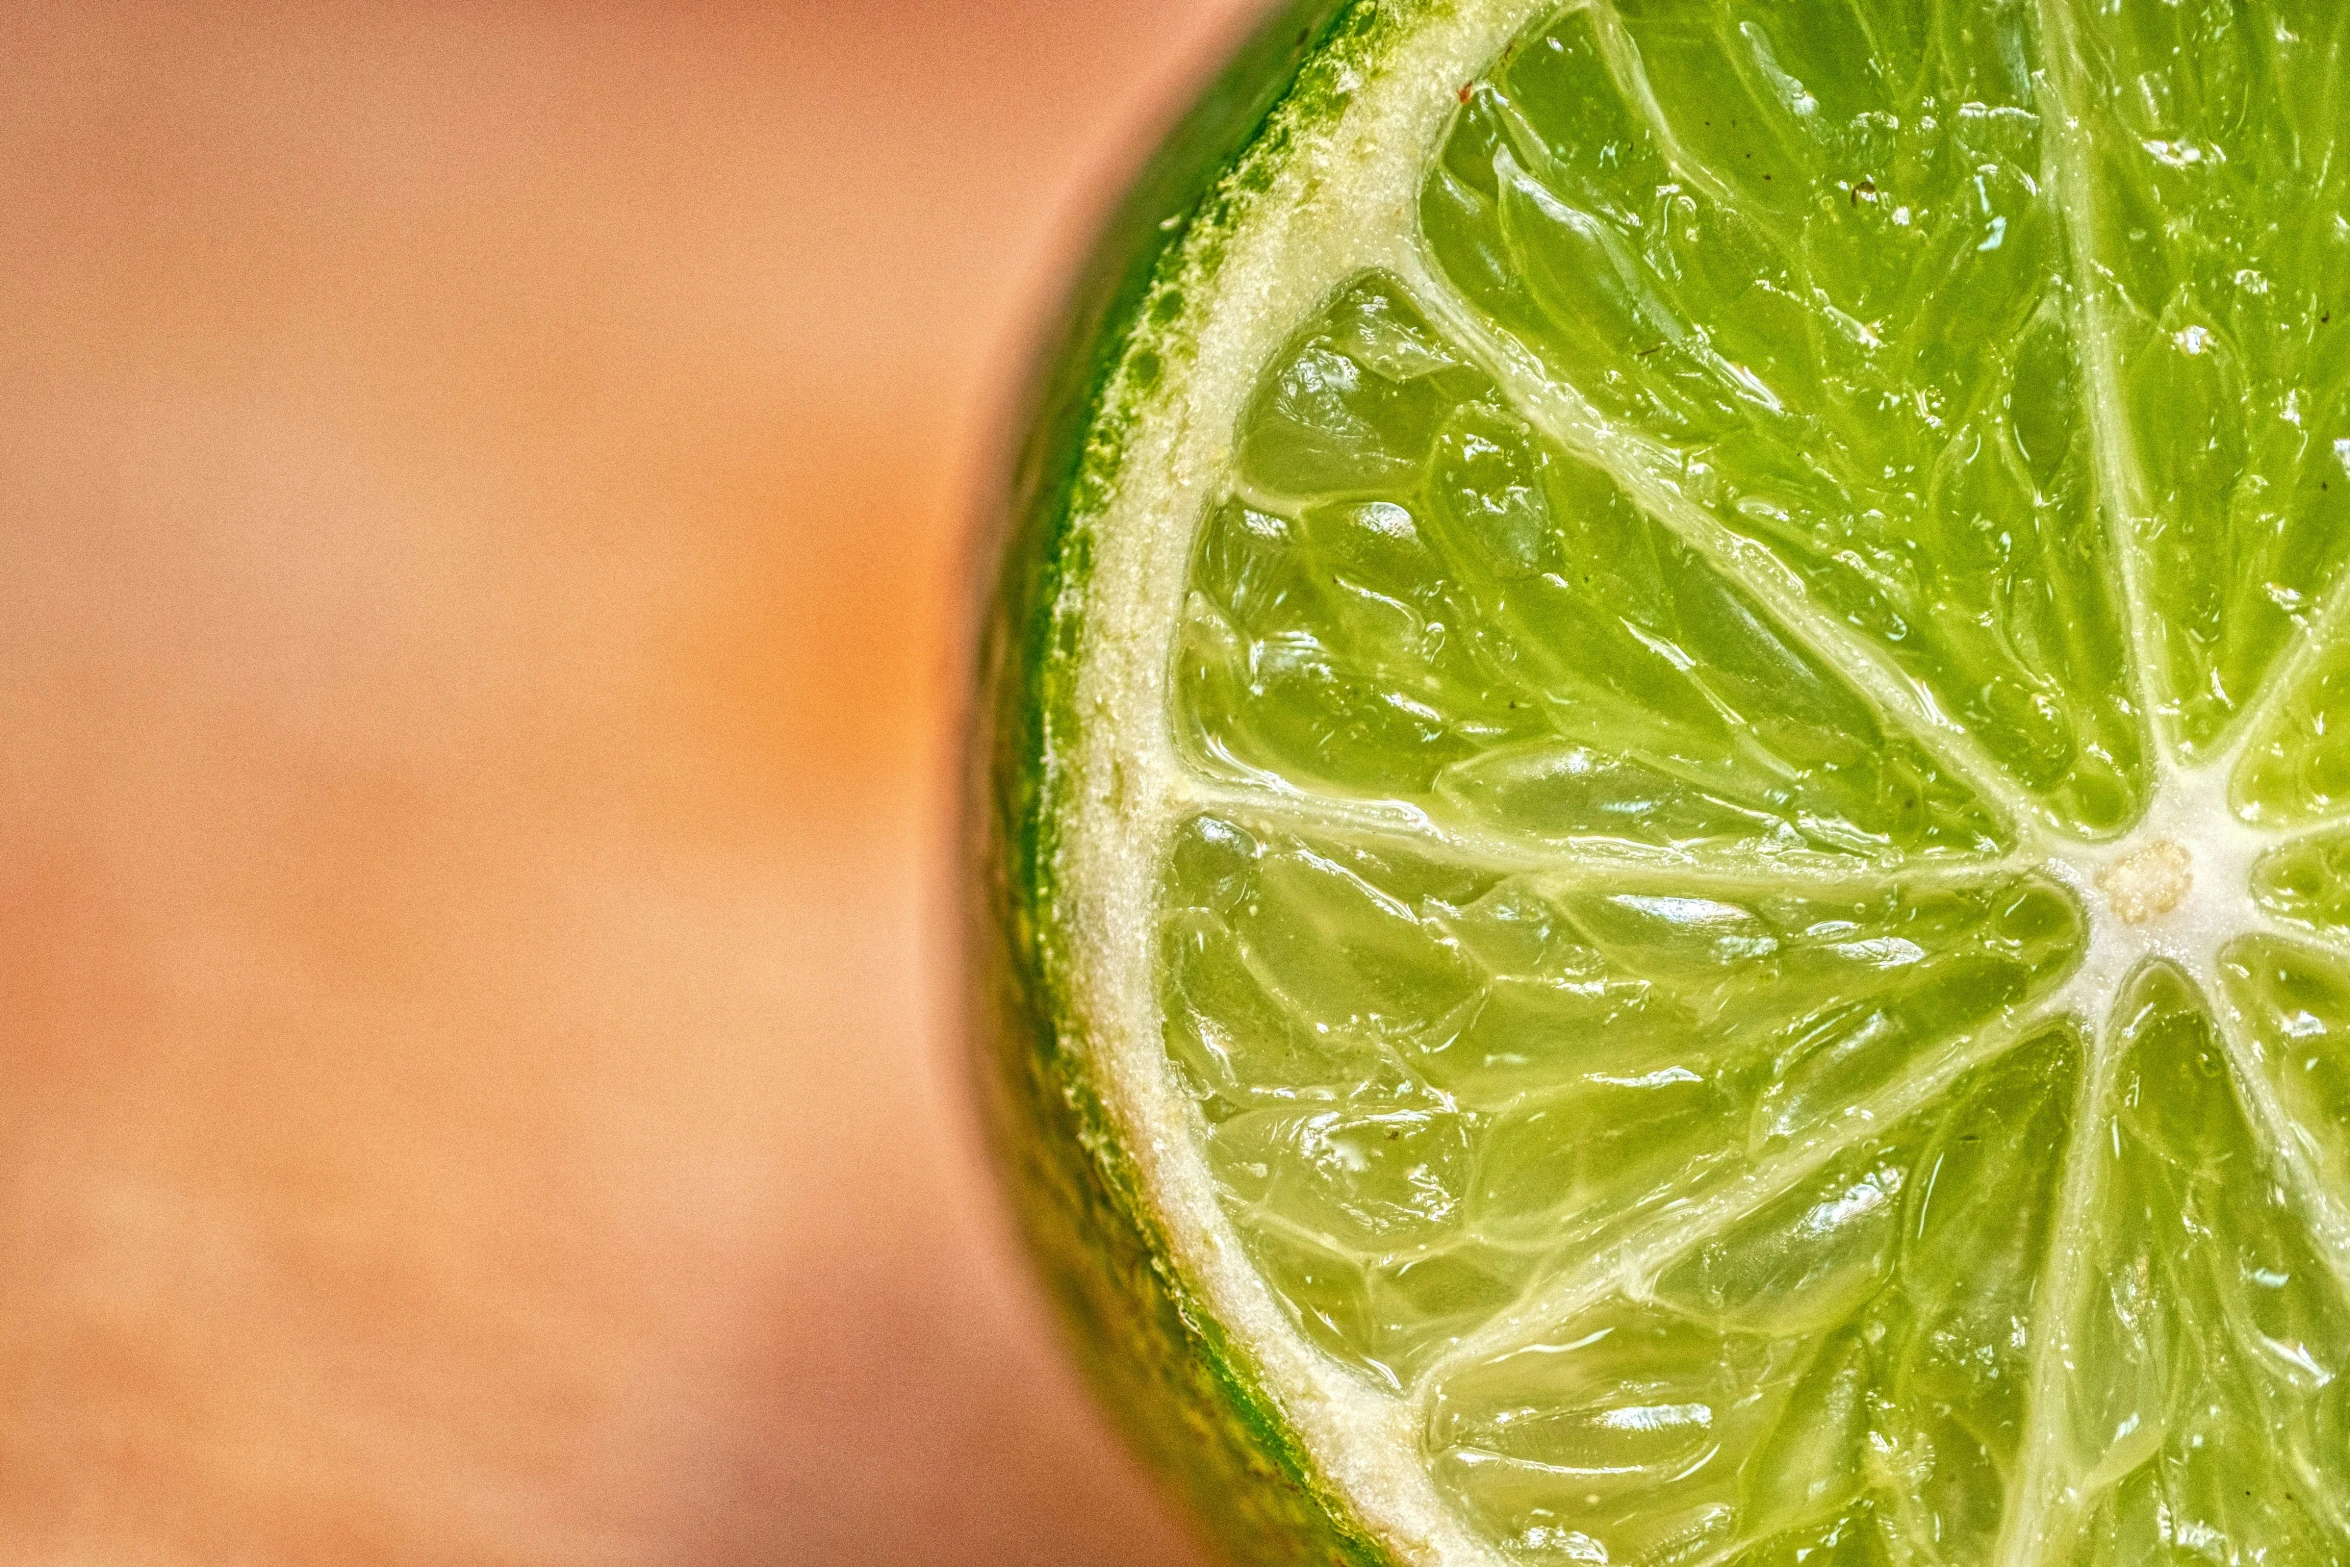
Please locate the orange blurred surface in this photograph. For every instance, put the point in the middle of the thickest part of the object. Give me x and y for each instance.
(482, 489)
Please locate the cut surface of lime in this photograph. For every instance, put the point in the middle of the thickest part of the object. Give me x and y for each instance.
(1686, 831)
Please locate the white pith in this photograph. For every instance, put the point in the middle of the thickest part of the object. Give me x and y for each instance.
(1342, 200)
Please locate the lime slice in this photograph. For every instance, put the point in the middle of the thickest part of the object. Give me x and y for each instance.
(1664, 778)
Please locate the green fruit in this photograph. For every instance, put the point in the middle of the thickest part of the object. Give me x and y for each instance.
(1661, 826)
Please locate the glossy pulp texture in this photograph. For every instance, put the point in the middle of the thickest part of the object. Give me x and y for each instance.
(1664, 674)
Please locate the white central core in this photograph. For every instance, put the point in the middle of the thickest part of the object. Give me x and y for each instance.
(2179, 886)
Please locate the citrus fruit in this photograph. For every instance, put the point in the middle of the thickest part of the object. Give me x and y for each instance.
(1663, 787)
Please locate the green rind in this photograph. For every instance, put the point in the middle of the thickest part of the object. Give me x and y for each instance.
(1186, 1394)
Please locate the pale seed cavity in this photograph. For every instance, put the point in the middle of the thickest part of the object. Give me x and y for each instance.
(2148, 882)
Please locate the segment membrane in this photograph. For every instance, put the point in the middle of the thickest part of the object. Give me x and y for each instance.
(2219, 197)
(2203, 1410)
(1422, 1085)
(1837, 1376)
(1412, 597)
(1808, 256)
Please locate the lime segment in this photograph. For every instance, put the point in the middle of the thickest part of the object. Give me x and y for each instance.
(2306, 883)
(1413, 597)
(1833, 311)
(2205, 1382)
(2294, 1002)
(2218, 167)
(2296, 763)
(1426, 1087)
(1835, 1376)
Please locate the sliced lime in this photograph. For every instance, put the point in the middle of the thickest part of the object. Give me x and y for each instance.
(1668, 800)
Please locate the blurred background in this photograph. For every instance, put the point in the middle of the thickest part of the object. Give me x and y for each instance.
(481, 501)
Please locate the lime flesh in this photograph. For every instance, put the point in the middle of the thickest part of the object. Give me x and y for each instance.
(1709, 809)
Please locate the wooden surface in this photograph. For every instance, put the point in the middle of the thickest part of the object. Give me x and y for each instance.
(481, 489)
